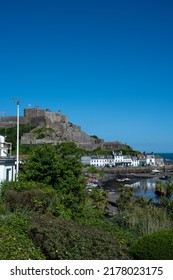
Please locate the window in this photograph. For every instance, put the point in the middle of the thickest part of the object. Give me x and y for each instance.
(8, 174)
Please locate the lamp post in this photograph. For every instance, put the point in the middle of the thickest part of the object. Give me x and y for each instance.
(17, 148)
(17, 138)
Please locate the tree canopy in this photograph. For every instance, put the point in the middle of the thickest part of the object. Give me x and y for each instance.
(50, 165)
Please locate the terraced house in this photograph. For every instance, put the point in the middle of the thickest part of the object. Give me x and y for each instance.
(118, 159)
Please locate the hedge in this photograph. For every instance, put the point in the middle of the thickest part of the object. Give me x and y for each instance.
(154, 246)
(59, 239)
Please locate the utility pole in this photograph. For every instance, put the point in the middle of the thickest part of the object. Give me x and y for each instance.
(17, 138)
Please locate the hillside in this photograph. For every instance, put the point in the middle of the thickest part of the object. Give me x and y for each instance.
(53, 127)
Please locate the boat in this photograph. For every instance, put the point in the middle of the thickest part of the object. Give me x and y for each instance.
(155, 171)
(164, 177)
(123, 180)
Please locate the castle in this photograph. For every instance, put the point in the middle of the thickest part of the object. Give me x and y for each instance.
(53, 127)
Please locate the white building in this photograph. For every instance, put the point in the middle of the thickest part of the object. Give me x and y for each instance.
(7, 162)
(127, 160)
(118, 159)
(102, 161)
(150, 159)
(135, 161)
(159, 161)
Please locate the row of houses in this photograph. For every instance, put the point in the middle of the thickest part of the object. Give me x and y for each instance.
(118, 159)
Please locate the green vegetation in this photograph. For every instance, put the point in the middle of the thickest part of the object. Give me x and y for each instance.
(94, 136)
(15, 243)
(62, 173)
(60, 239)
(42, 132)
(164, 191)
(11, 132)
(28, 196)
(50, 214)
(155, 246)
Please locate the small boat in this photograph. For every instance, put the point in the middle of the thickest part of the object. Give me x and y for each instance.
(164, 177)
(155, 171)
(123, 179)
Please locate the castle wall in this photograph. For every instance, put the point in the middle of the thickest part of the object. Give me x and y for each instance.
(34, 112)
(39, 121)
(62, 130)
(11, 121)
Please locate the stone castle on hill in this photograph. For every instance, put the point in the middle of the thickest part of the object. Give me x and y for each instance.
(55, 128)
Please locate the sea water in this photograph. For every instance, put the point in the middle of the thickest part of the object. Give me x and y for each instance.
(168, 157)
(146, 187)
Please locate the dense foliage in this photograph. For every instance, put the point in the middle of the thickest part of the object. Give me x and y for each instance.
(28, 196)
(11, 132)
(51, 166)
(155, 246)
(59, 239)
(14, 240)
(50, 214)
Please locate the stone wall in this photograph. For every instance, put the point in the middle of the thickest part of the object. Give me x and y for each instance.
(11, 121)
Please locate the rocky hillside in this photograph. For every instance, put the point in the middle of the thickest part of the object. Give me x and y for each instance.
(53, 127)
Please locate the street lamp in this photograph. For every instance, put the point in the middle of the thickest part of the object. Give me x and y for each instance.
(17, 151)
(17, 140)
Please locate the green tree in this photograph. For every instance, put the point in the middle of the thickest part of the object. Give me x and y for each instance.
(65, 175)
(68, 149)
(42, 166)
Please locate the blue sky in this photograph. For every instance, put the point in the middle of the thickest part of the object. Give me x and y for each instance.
(107, 64)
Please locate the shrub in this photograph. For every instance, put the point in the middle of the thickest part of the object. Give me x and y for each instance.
(19, 186)
(14, 241)
(28, 195)
(36, 200)
(154, 246)
(59, 239)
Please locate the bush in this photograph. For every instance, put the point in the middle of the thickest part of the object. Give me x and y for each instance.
(19, 186)
(36, 200)
(60, 240)
(14, 241)
(155, 246)
(28, 195)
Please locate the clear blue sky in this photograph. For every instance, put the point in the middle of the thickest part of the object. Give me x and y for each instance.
(107, 64)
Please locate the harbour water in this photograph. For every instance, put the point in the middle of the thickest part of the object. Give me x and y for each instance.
(146, 187)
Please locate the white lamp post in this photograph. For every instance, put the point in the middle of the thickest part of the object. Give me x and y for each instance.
(17, 139)
(17, 149)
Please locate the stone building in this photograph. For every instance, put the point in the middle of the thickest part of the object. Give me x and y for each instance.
(53, 127)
